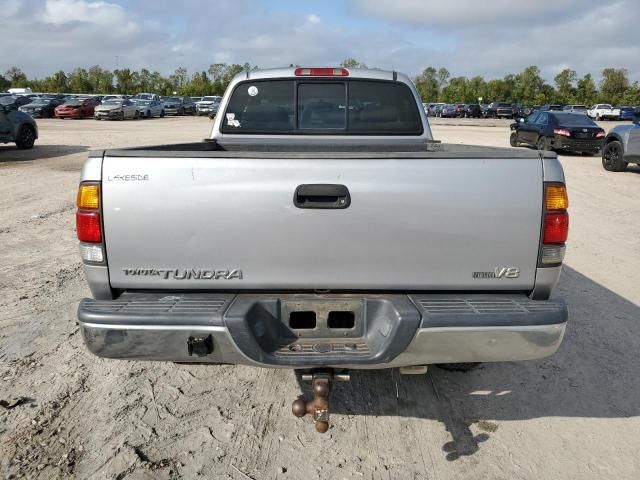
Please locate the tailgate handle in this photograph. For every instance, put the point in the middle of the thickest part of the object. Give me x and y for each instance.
(321, 195)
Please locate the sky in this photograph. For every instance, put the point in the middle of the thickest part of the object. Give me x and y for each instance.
(469, 37)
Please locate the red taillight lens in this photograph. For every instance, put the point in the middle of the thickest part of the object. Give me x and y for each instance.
(321, 72)
(562, 131)
(600, 134)
(88, 227)
(556, 228)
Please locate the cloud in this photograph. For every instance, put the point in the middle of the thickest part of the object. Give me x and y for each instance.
(437, 13)
(59, 12)
(501, 36)
(469, 37)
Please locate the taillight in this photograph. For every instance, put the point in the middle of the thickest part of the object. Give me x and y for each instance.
(600, 134)
(321, 72)
(88, 227)
(556, 198)
(89, 222)
(562, 132)
(88, 196)
(556, 228)
(555, 225)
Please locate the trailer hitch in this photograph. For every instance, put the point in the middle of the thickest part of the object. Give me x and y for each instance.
(318, 408)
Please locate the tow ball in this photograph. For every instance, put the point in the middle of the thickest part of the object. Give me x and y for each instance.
(318, 408)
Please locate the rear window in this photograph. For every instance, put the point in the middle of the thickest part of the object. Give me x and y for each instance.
(304, 106)
(574, 120)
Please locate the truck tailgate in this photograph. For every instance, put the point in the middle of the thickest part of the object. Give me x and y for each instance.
(231, 223)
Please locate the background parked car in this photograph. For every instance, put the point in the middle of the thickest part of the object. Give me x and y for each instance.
(448, 111)
(437, 109)
(150, 108)
(434, 107)
(16, 126)
(603, 111)
(42, 107)
(116, 109)
(627, 113)
(499, 110)
(575, 109)
(551, 108)
(208, 105)
(472, 111)
(179, 106)
(572, 132)
(106, 98)
(77, 108)
(146, 96)
(523, 111)
(622, 146)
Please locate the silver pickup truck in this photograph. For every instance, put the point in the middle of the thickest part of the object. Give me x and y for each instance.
(321, 228)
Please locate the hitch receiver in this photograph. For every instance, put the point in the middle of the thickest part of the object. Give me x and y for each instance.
(318, 408)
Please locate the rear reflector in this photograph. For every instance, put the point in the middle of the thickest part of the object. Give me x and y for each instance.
(89, 196)
(88, 227)
(321, 72)
(91, 253)
(552, 254)
(556, 228)
(556, 197)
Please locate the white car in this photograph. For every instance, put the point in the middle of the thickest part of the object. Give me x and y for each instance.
(116, 109)
(208, 105)
(150, 108)
(146, 96)
(603, 111)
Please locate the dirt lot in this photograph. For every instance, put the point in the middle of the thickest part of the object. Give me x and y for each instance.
(575, 415)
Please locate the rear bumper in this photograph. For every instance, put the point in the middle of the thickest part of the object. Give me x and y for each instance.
(107, 114)
(578, 145)
(389, 330)
(206, 110)
(69, 114)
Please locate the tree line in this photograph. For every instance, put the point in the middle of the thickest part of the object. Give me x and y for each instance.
(126, 81)
(528, 87)
(434, 85)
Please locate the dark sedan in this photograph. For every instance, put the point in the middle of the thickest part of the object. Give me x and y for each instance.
(179, 106)
(41, 107)
(572, 132)
(452, 111)
(472, 111)
(499, 110)
(627, 113)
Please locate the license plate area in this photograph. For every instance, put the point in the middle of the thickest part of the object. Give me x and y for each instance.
(324, 318)
(320, 330)
(583, 135)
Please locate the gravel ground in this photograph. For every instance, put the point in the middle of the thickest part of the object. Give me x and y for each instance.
(67, 414)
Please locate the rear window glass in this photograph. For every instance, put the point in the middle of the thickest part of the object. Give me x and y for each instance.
(574, 119)
(322, 107)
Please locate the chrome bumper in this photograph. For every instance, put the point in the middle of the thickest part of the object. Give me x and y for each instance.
(396, 330)
(429, 346)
